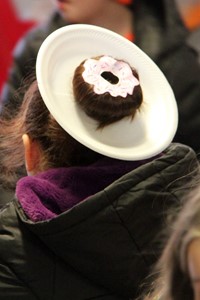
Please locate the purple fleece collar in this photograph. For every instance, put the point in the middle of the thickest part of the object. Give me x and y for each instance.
(50, 193)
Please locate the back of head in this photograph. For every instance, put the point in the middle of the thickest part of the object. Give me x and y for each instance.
(84, 106)
(58, 148)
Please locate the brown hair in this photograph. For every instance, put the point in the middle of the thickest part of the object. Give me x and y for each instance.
(104, 108)
(59, 149)
(171, 276)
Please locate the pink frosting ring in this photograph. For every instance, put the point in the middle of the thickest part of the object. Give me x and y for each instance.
(94, 68)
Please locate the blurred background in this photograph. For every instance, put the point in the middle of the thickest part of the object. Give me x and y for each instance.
(18, 16)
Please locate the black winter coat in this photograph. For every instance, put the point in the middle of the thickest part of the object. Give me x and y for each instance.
(160, 33)
(102, 248)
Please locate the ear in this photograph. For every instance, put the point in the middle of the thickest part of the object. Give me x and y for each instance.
(32, 154)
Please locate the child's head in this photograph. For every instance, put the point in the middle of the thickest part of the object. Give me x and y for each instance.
(115, 94)
(110, 103)
(81, 108)
(57, 148)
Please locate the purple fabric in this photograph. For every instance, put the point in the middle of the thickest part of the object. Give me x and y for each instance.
(50, 193)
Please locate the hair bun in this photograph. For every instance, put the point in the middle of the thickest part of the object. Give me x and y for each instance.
(107, 89)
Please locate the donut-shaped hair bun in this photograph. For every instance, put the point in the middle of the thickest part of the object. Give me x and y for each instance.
(107, 89)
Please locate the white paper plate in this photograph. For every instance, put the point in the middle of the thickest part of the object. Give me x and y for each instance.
(153, 127)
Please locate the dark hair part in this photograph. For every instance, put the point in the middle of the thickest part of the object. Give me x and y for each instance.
(104, 108)
(59, 149)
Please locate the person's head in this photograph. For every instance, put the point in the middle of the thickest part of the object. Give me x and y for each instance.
(88, 11)
(80, 109)
(47, 145)
(44, 144)
(178, 270)
(34, 138)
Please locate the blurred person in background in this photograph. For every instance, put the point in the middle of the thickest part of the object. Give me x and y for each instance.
(155, 26)
(178, 270)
